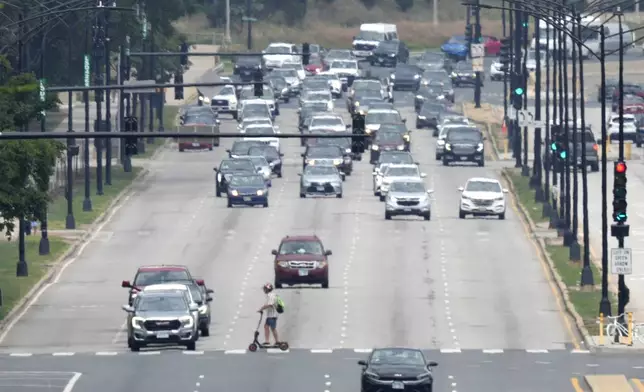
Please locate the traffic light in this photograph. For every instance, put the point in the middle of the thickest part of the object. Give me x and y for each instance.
(131, 125)
(358, 125)
(178, 90)
(306, 53)
(478, 37)
(468, 33)
(619, 193)
(518, 92)
(258, 78)
(504, 54)
(184, 57)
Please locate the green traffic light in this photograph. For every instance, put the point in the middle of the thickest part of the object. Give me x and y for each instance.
(525, 24)
(562, 155)
(518, 91)
(620, 217)
(553, 146)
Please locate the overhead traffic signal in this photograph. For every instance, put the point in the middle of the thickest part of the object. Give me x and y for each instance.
(184, 56)
(258, 78)
(478, 37)
(468, 33)
(358, 125)
(306, 53)
(178, 90)
(131, 125)
(504, 54)
(619, 193)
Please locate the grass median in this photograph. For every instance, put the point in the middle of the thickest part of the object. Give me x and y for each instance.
(585, 301)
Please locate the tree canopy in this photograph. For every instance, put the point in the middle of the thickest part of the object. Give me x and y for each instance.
(25, 165)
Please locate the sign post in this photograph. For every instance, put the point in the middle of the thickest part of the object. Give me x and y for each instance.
(86, 70)
(621, 261)
(478, 53)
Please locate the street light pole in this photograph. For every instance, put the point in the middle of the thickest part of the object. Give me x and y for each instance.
(562, 120)
(87, 77)
(99, 49)
(517, 83)
(567, 233)
(477, 39)
(108, 99)
(555, 124)
(505, 73)
(547, 210)
(537, 167)
(43, 245)
(249, 7)
(70, 222)
(574, 253)
(525, 168)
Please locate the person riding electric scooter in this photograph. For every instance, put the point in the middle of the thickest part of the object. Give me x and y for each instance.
(270, 307)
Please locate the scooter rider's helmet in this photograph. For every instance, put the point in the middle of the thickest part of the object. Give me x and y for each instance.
(268, 288)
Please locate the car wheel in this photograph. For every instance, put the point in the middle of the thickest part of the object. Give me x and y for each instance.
(427, 216)
(191, 346)
(217, 192)
(382, 197)
(278, 284)
(445, 162)
(279, 174)
(461, 214)
(387, 216)
(325, 283)
(229, 204)
(438, 157)
(180, 149)
(502, 216)
(302, 196)
(418, 126)
(339, 195)
(234, 115)
(135, 347)
(205, 331)
(481, 163)
(265, 205)
(210, 148)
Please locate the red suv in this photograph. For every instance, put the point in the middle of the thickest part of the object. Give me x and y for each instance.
(301, 259)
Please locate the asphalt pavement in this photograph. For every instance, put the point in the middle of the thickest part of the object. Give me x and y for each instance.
(473, 288)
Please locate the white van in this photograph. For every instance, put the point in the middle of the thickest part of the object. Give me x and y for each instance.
(370, 35)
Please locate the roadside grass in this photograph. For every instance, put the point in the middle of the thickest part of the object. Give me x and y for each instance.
(14, 288)
(586, 301)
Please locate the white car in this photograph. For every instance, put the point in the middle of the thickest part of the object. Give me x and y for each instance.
(241, 127)
(279, 53)
(318, 96)
(255, 103)
(376, 117)
(345, 69)
(440, 141)
(225, 101)
(630, 127)
(398, 173)
(335, 84)
(482, 197)
(292, 78)
(369, 84)
(297, 66)
(495, 70)
(450, 119)
(255, 129)
(328, 121)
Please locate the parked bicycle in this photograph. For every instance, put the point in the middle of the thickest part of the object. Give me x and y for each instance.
(614, 327)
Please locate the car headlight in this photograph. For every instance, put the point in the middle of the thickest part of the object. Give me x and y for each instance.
(219, 177)
(453, 74)
(234, 193)
(416, 76)
(348, 151)
(337, 161)
(406, 138)
(282, 264)
(260, 192)
(392, 55)
(368, 131)
(424, 376)
(448, 146)
(400, 148)
(440, 142)
(203, 309)
(356, 104)
(371, 374)
(420, 97)
(375, 147)
(422, 117)
(137, 322)
(362, 112)
(310, 162)
(187, 321)
(479, 147)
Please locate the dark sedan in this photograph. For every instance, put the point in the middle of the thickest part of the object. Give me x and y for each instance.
(428, 115)
(247, 189)
(342, 142)
(389, 53)
(444, 87)
(327, 156)
(240, 148)
(406, 77)
(396, 369)
(246, 66)
(227, 169)
(464, 74)
(386, 141)
(426, 94)
(400, 128)
(273, 157)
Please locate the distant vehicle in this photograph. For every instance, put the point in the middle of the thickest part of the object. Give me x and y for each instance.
(398, 173)
(389, 53)
(433, 61)
(370, 36)
(227, 169)
(456, 48)
(408, 198)
(203, 120)
(492, 45)
(225, 101)
(464, 145)
(301, 259)
(247, 189)
(392, 369)
(385, 141)
(428, 115)
(406, 77)
(327, 156)
(321, 180)
(278, 53)
(157, 274)
(246, 66)
(464, 74)
(482, 197)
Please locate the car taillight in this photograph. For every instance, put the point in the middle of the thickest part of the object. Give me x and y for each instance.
(595, 147)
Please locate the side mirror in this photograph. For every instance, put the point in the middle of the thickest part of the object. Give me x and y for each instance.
(126, 284)
(505, 190)
(274, 252)
(328, 253)
(423, 175)
(404, 120)
(215, 169)
(299, 174)
(362, 362)
(200, 282)
(430, 191)
(484, 137)
(128, 308)
(209, 299)
(263, 51)
(193, 307)
(302, 155)
(374, 173)
(349, 126)
(228, 151)
(281, 154)
(432, 364)
(460, 189)
(417, 163)
(217, 122)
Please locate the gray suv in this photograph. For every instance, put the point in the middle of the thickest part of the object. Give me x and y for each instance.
(408, 198)
(162, 317)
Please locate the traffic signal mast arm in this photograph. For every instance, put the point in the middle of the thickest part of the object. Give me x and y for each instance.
(31, 135)
(127, 87)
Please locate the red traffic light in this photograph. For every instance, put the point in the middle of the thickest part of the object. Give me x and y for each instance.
(620, 167)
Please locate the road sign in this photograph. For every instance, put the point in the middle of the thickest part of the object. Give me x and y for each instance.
(247, 19)
(478, 50)
(477, 64)
(621, 261)
(143, 90)
(41, 90)
(86, 71)
(526, 118)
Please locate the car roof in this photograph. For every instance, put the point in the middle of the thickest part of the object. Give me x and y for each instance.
(149, 268)
(290, 238)
(165, 286)
(254, 100)
(279, 44)
(484, 179)
(394, 165)
(383, 110)
(259, 125)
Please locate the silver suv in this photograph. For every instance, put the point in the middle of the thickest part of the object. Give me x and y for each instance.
(162, 317)
(408, 197)
(321, 180)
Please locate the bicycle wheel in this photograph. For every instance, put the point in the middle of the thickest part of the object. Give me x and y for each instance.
(611, 330)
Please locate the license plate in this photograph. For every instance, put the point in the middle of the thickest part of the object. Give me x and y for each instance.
(195, 144)
(247, 198)
(304, 272)
(407, 209)
(397, 385)
(163, 335)
(481, 209)
(381, 60)
(463, 158)
(246, 72)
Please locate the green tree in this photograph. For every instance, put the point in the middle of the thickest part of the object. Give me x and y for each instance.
(25, 165)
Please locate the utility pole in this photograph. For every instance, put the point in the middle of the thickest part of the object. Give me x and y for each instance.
(525, 169)
(249, 20)
(108, 99)
(517, 91)
(99, 53)
(537, 167)
(479, 42)
(87, 78)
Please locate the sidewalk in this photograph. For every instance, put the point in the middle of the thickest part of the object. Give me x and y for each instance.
(199, 66)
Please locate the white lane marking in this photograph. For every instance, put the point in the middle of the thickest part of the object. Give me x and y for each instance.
(321, 351)
(106, 353)
(580, 351)
(451, 350)
(537, 351)
(186, 352)
(150, 353)
(452, 382)
(277, 351)
(63, 354)
(493, 351)
(21, 354)
(119, 333)
(72, 382)
(235, 352)
(69, 262)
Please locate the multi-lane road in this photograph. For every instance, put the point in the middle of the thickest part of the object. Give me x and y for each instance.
(472, 293)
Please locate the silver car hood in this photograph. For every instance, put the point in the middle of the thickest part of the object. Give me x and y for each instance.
(401, 178)
(156, 315)
(321, 178)
(408, 195)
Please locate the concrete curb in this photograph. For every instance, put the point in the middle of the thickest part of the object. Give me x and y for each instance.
(562, 288)
(73, 249)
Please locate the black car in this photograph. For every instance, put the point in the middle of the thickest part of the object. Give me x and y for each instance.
(395, 157)
(396, 369)
(240, 147)
(386, 141)
(389, 53)
(363, 102)
(273, 157)
(428, 115)
(328, 156)
(434, 61)
(464, 74)
(309, 109)
(400, 128)
(228, 168)
(406, 77)
(425, 94)
(444, 87)
(464, 145)
(343, 142)
(246, 66)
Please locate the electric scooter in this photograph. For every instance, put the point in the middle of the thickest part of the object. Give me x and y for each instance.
(255, 345)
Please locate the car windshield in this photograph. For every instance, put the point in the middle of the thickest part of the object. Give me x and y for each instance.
(369, 85)
(259, 161)
(397, 357)
(324, 152)
(195, 292)
(456, 120)
(344, 64)
(388, 46)
(237, 164)
(241, 147)
(326, 121)
(432, 57)
(464, 135)
(301, 248)
(398, 128)
(627, 119)
(396, 157)
(162, 303)
(483, 186)
(278, 49)
(256, 130)
(464, 66)
(258, 109)
(147, 278)
(406, 70)
(293, 66)
(249, 181)
(227, 90)
(278, 82)
(317, 96)
(287, 73)
(588, 136)
(407, 187)
(402, 172)
(382, 117)
(315, 106)
(248, 61)
(269, 152)
(388, 137)
(431, 107)
(199, 119)
(458, 40)
(321, 170)
(256, 121)
(370, 36)
(328, 77)
(249, 93)
(371, 95)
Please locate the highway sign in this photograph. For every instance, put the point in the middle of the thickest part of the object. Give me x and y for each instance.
(478, 50)
(621, 261)
(143, 90)
(86, 70)
(477, 64)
